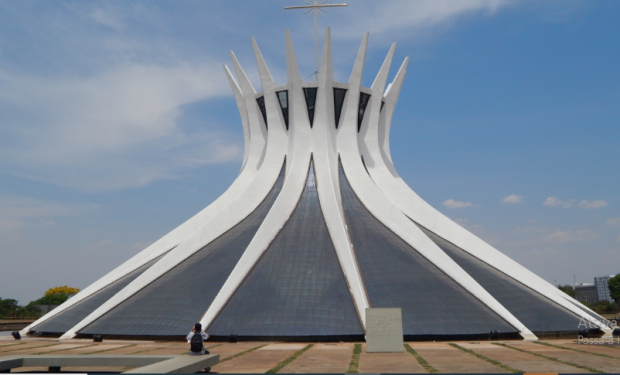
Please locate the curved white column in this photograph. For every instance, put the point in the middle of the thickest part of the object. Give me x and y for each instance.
(383, 209)
(326, 173)
(298, 163)
(243, 112)
(254, 150)
(385, 176)
(237, 209)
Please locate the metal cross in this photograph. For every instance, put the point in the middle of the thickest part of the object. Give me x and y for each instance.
(316, 7)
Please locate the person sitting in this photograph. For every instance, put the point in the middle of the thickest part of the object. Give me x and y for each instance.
(195, 339)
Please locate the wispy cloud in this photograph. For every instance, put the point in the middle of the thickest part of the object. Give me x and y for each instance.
(388, 17)
(114, 130)
(16, 211)
(571, 236)
(592, 204)
(107, 17)
(611, 221)
(555, 202)
(513, 198)
(451, 203)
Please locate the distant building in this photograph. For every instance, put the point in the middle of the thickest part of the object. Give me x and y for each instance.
(602, 288)
(586, 293)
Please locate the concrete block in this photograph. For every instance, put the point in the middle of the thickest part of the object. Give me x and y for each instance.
(384, 330)
(179, 365)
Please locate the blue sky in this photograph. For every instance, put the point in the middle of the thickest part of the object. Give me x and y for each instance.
(117, 123)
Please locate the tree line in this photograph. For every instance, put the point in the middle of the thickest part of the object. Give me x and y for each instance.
(10, 308)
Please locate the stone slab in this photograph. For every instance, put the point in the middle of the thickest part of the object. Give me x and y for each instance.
(93, 349)
(322, 358)
(295, 347)
(62, 347)
(601, 349)
(179, 365)
(28, 348)
(135, 349)
(227, 350)
(589, 360)
(525, 362)
(388, 363)
(254, 362)
(384, 330)
(448, 359)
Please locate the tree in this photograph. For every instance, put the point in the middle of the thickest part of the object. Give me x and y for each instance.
(55, 296)
(568, 289)
(8, 307)
(614, 288)
(66, 290)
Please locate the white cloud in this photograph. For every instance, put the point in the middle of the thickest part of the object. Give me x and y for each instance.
(113, 130)
(615, 221)
(571, 236)
(16, 211)
(555, 202)
(513, 198)
(593, 204)
(107, 18)
(451, 203)
(390, 16)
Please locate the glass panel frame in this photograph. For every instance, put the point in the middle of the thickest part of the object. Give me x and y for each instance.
(174, 302)
(284, 104)
(297, 288)
(261, 105)
(339, 95)
(396, 275)
(310, 95)
(364, 98)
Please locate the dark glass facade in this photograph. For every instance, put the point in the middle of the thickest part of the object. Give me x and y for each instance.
(175, 301)
(396, 275)
(310, 94)
(67, 319)
(535, 311)
(297, 288)
(339, 95)
(283, 100)
(261, 105)
(364, 98)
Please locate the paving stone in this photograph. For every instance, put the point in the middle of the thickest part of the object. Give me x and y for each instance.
(294, 347)
(388, 363)
(523, 361)
(30, 369)
(596, 362)
(60, 348)
(322, 358)
(92, 348)
(228, 350)
(258, 361)
(602, 349)
(137, 349)
(35, 347)
(448, 359)
(335, 357)
(4, 344)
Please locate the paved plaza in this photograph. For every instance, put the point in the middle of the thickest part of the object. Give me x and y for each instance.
(551, 356)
